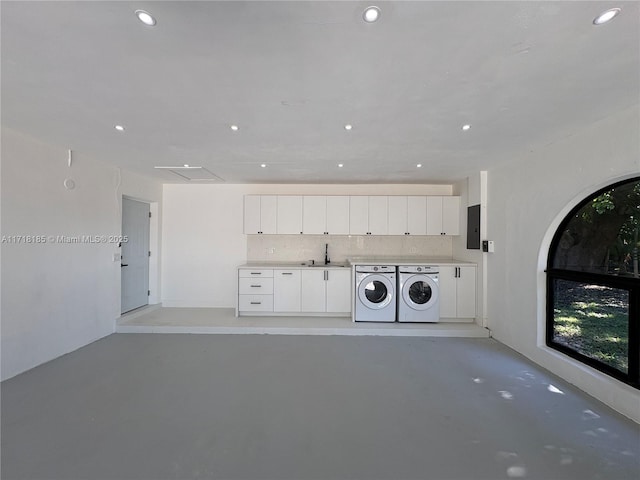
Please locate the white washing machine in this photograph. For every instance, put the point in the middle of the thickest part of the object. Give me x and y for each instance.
(418, 294)
(375, 295)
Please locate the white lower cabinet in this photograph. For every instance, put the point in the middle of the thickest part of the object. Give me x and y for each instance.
(297, 290)
(255, 303)
(286, 290)
(457, 287)
(339, 289)
(314, 290)
(326, 290)
(255, 290)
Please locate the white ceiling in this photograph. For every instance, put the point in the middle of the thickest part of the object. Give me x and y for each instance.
(292, 74)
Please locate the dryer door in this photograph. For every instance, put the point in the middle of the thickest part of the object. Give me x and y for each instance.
(375, 291)
(420, 292)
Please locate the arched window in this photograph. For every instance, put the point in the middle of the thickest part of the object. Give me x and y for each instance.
(593, 282)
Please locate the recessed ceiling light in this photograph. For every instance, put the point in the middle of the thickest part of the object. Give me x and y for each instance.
(263, 165)
(186, 165)
(120, 128)
(419, 165)
(340, 165)
(371, 14)
(606, 16)
(146, 18)
(348, 127)
(466, 127)
(234, 128)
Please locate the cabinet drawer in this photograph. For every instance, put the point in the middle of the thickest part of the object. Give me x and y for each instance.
(255, 303)
(253, 286)
(255, 273)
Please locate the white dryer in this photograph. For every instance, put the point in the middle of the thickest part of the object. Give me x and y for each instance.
(418, 295)
(375, 295)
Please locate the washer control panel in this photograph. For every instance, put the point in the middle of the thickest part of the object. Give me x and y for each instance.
(424, 269)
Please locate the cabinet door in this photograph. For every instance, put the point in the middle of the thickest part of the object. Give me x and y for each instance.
(286, 290)
(289, 214)
(447, 288)
(451, 215)
(378, 215)
(397, 215)
(313, 290)
(251, 214)
(434, 216)
(314, 214)
(268, 213)
(466, 292)
(338, 215)
(358, 215)
(417, 215)
(339, 290)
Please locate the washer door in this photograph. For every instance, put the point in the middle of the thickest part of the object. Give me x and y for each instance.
(420, 292)
(375, 291)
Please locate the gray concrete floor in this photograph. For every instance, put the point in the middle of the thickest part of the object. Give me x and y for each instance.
(145, 406)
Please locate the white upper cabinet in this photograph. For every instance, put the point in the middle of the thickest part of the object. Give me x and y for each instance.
(443, 215)
(314, 214)
(352, 215)
(417, 215)
(368, 215)
(289, 214)
(327, 215)
(251, 214)
(434, 215)
(378, 215)
(398, 215)
(407, 215)
(338, 215)
(451, 215)
(260, 213)
(359, 215)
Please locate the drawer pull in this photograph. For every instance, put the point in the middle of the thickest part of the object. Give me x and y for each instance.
(256, 286)
(256, 303)
(287, 273)
(256, 273)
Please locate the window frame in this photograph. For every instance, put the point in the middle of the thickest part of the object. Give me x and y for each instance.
(631, 284)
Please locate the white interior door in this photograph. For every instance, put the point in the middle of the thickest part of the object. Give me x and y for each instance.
(134, 271)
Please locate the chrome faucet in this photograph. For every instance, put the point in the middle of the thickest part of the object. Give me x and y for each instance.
(326, 254)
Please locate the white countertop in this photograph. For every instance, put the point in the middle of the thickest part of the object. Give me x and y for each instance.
(361, 261)
(293, 265)
(407, 261)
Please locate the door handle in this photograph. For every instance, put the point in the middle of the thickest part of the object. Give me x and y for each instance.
(124, 265)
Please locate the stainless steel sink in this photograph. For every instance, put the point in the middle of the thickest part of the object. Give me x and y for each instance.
(322, 265)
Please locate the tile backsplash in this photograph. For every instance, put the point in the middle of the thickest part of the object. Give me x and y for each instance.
(293, 248)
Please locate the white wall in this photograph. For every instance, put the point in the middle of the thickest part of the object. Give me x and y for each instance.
(473, 191)
(203, 241)
(528, 196)
(56, 297)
